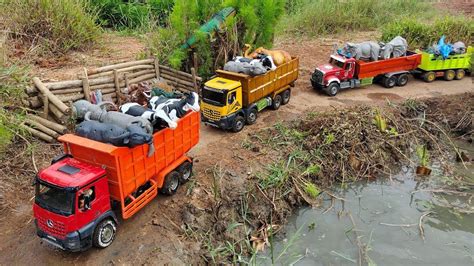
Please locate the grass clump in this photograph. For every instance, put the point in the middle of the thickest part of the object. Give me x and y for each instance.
(314, 17)
(422, 35)
(57, 26)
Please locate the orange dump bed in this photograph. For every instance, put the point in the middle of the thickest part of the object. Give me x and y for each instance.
(129, 168)
(375, 68)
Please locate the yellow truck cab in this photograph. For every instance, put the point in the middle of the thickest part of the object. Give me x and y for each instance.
(231, 100)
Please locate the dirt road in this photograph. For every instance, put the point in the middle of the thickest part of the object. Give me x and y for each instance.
(155, 235)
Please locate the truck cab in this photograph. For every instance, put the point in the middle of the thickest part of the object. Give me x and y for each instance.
(72, 207)
(221, 102)
(334, 75)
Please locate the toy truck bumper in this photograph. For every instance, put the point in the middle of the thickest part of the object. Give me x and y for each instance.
(74, 242)
(225, 122)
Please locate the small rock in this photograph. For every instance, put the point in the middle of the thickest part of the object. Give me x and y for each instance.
(154, 222)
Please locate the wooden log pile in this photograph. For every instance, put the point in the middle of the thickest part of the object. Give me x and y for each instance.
(56, 98)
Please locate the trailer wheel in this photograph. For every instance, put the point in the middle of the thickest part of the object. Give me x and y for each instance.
(104, 233)
(449, 75)
(389, 82)
(460, 73)
(402, 80)
(332, 89)
(185, 172)
(252, 116)
(429, 76)
(276, 102)
(286, 95)
(171, 184)
(238, 125)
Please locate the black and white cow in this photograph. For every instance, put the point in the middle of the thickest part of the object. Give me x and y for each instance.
(155, 117)
(175, 108)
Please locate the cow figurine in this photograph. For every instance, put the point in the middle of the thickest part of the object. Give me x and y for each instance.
(156, 118)
(120, 119)
(397, 47)
(81, 107)
(131, 136)
(364, 50)
(252, 68)
(459, 48)
(176, 108)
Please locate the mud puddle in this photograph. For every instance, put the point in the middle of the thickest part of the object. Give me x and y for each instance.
(386, 219)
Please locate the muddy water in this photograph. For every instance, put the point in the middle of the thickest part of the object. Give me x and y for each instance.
(386, 215)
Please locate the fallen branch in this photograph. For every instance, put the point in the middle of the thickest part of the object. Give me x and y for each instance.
(420, 224)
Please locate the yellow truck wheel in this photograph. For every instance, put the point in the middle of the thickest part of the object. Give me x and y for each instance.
(252, 116)
(276, 102)
(460, 73)
(449, 75)
(429, 76)
(239, 123)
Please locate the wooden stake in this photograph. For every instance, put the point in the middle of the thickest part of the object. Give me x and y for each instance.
(117, 87)
(52, 98)
(193, 72)
(85, 86)
(38, 134)
(45, 106)
(41, 127)
(127, 84)
(50, 124)
(157, 68)
(195, 60)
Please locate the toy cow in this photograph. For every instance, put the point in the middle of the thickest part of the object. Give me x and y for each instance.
(81, 107)
(156, 118)
(395, 48)
(459, 48)
(252, 68)
(131, 136)
(176, 108)
(119, 119)
(364, 50)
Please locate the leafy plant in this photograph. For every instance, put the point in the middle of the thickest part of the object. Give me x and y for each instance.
(380, 122)
(311, 189)
(423, 155)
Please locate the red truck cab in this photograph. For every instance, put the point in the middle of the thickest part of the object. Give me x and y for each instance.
(72, 207)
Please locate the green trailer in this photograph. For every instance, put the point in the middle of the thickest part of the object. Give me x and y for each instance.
(453, 67)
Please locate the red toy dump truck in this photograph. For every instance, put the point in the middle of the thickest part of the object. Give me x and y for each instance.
(342, 73)
(77, 195)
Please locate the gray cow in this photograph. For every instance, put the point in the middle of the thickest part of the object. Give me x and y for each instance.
(459, 48)
(81, 107)
(364, 50)
(253, 68)
(397, 47)
(120, 119)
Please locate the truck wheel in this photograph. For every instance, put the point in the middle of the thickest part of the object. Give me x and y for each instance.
(460, 73)
(104, 233)
(449, 75)
(171, 183)
(389, 82)
(185, 172)
(252, 116)
(402, 80)
(315, 85)
(286, 95)
(429, 76)
(276, 102)
(332, 89)
(239, 123)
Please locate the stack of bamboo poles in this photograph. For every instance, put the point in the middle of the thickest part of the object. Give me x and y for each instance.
(56, 98)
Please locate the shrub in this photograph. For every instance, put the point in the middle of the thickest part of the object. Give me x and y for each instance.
(57, 25)
(422, 35)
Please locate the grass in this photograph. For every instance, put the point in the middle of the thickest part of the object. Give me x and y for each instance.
(55, 26)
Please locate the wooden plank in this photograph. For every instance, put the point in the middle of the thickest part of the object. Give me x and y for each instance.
(50, 124)
(117, 87)
(44, 129)
(127, 69)
(85, 86)
(45, 107)
(52, 98)
(157, 68)
(38, 134)
(121, 65)
(195, 85)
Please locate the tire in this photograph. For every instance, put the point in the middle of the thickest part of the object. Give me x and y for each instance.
(429, 76)
(402, 80)
(315, 86)
(449, 75)
(286, 95)
(460, 73)
(276, 103)
(185, 172)
(238, 125)
(252, 116)
(332, 89)
(104, 233)
(389, 82)
(171, 183)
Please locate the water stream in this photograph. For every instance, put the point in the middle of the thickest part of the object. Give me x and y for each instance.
(386, 215)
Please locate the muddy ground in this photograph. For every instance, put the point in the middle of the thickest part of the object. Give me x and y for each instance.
(158, 233)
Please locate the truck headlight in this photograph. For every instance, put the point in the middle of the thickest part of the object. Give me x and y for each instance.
(72, 243)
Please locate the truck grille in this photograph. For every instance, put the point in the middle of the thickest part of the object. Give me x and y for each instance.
(58, 230)
(317, 77)
(211, 114)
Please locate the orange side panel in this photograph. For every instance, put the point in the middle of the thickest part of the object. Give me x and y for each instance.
(375, 68)
(129, 168)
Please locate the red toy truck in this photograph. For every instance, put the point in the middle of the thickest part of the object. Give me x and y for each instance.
(77, 195)
(341, 72)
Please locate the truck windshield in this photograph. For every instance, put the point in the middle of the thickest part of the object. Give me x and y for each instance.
(54, 199)
(337, 63)
(213, 96)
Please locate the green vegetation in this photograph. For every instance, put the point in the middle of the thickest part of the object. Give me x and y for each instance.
(315, 17)
(422, 35)
(57, 26)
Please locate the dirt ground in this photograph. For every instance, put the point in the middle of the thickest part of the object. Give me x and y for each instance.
(155, 235)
